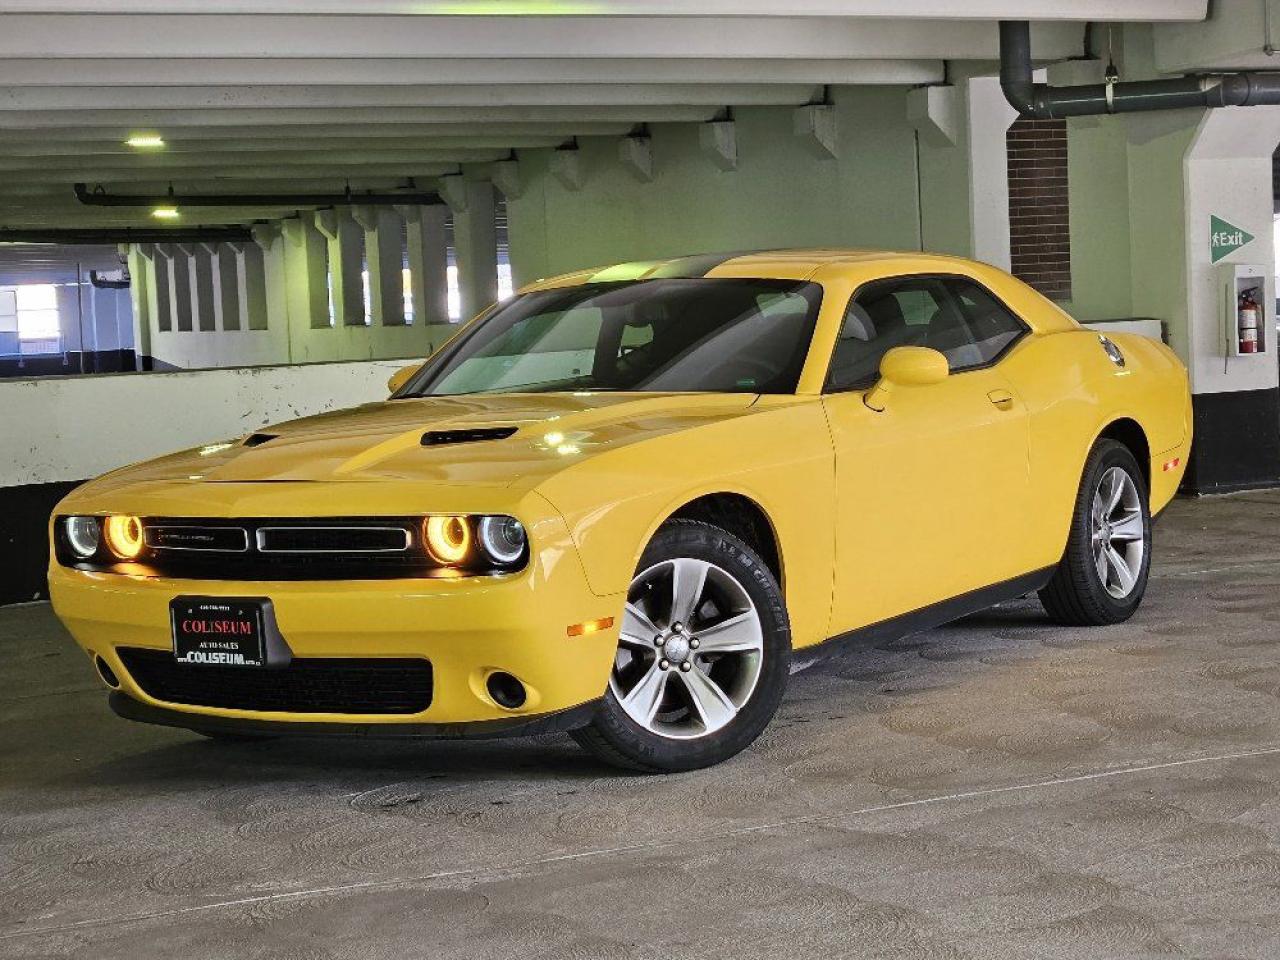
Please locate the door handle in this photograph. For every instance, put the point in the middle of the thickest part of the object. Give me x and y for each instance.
(1001, 398)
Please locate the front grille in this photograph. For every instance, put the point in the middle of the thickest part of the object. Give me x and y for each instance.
(319, 548)
(307, 685)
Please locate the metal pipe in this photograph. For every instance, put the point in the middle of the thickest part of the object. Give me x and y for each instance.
(1041, 101)
(100, 198)
(114, 235)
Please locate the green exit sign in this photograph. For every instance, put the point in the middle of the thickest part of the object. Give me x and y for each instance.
(1225, 238)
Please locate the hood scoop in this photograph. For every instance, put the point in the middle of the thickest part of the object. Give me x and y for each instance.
(258, 439)
(438, 438)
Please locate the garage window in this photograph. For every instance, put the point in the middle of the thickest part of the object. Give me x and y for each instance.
(29, 319)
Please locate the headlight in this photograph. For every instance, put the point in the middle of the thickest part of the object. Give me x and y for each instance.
(124, 537)
(83, 534)
(503, 539)
(448, 539)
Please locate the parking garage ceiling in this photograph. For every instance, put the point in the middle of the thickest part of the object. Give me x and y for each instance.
(265, 95)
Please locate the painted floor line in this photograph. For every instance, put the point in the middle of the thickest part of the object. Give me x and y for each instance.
(393, 882)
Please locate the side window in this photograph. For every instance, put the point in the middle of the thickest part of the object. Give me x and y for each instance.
(882, 315)
(991, 327)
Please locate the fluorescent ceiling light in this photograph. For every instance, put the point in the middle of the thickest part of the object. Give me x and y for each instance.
(165, 213)
(145, 142)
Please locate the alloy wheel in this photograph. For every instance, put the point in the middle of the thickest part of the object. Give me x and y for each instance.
(690, 650)
(1117, 532)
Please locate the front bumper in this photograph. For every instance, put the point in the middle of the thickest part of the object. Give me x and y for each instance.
(561, 721)
(467, 628)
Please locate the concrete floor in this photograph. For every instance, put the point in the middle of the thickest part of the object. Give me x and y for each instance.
(998, 788)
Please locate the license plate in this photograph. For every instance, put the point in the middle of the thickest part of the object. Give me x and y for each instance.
(217, 631)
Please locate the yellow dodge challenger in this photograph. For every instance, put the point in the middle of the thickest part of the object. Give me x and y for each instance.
(628, 503)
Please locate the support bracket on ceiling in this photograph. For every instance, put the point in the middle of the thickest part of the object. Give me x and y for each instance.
(566, 166)
(719, 140)
(505, 175)
(935, 112)
(815, 125)
(636, 155)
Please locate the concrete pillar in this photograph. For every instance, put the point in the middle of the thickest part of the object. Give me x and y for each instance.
(475, 242)
(384, 259)
(142, 297)
(346, 246)
(200, 274)
(1190, 173)
(429, 262)
(251, 282)
(159, 304)
(963, 168)
(178, 286)
(226, 295)
(306, 274)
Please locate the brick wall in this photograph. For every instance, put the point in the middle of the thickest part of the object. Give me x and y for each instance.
(1039, 217)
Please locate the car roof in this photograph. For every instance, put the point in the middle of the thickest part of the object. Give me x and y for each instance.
(766, 264)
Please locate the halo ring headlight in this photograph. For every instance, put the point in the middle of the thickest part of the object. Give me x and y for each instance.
(448, 539)
(124, 536)
(503, 539)
(84, 535)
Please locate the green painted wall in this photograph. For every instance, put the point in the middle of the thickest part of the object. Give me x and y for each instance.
(1098, 186)
(783, 194)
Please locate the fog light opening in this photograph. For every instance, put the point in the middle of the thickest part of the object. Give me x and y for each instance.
(106, 673)
(505, 690)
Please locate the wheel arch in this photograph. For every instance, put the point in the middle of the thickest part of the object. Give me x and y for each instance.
(1128, 432)
(740, 515)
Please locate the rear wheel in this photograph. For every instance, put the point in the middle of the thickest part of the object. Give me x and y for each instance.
(702, 659)
(1103, 574)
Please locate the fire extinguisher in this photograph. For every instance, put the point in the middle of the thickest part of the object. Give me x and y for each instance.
(1248, 313)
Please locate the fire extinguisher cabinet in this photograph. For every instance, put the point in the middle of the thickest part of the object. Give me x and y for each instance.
(1248, 314)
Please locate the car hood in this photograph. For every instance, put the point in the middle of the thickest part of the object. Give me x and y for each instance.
(384, 441)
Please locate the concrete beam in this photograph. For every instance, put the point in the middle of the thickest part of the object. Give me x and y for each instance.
(277, 120)
(54, 98)
(134, 35)
(1132, 10)
(299, 71)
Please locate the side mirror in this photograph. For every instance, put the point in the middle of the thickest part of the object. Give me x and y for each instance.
(906, 367)
(401, 377)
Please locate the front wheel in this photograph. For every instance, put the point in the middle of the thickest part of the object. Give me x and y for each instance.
(703, 655)
(1103, 574)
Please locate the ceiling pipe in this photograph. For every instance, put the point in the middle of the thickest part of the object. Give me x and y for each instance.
(100, 198)
(114, 235)
(1041, 101)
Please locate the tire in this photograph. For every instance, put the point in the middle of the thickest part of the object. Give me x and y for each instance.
(1078, 595)
(726, 669)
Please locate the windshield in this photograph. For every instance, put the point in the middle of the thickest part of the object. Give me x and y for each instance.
(664, 335)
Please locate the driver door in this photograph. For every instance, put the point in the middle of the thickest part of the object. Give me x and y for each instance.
(931, 492)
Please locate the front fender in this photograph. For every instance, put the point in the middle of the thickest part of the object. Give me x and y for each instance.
(779, 457)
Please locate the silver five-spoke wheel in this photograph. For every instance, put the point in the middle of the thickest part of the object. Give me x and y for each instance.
(690, 649)
(1117, 532)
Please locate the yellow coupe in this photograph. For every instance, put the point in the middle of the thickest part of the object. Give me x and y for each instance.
(628, 502)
